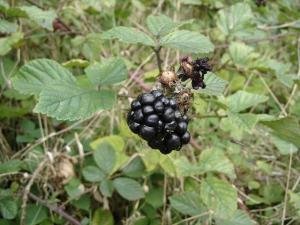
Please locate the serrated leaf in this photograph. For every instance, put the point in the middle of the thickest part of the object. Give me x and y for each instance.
(281, 71)
(241, 54)
(41, 17)
(215, 161)
(160, 25)
(188, 203)
(243, 121)
(219, 196)
(93, 174)
(69, 102)
(234, 19)
(102, 217)
(7, 43)
(242, 100)
(286, 128)
(214, 85)
(7, 27)
(10, 166)
(187, 41)
(35, 214)
(128, 188)
(111, 71)
(38, 74)
(105, 157)
(8, 208)
(238, 218)
(128, 35)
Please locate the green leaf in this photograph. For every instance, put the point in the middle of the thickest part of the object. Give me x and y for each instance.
(241, 54)
(35, 214)
(106, 187)
(238, 218)
(128, 35)
(214, 85)
(215, 161)
(93, 174)
(281, 70)
(84, 203)
(285, 128)
(105, 157)
(295, 201)
(102, 217)
(128, 188)
(38, 74)
(155, 197)
(234, 20)
(188, 203)
(187, 41)
(8, 208)
(243, 121)
(7, 43)
(135, 168)
(219, 196)
(111, 71)
(42, 18)
(69, 102)
(160, 25)
(242, 100)
(10, 166)
(7, 27)
(284, 147)
(74, 188)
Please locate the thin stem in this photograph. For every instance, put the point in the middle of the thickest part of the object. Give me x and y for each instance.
(158, 59)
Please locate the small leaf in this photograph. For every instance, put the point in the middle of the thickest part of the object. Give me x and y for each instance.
(243, 121)
(187, 41)
(160, 25)
(128, 35)
(74, 188)
(105, 157)
(35, 214)
(242, 100)
(238, 218)
(102, 217)
(214, 85)
(155, 197)
(295, 200)
(38, 74)
(241, 54)
(111, 71)
(70, 102)
(8, 208)
(128, 188)
(7, 43)
(286, 128)
(7, 27)
(219, 196)
(215, 160)
(135, 168)
(188, 203)
(10, 166)
(84, 203)
(106, 187)
(42, 18)
(284, 147)
(93, 174)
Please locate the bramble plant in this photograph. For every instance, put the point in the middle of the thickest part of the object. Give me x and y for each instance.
(189, 115)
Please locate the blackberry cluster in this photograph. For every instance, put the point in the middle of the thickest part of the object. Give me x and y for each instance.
(157, 119)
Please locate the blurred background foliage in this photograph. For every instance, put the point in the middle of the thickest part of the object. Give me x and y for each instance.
(242, 165)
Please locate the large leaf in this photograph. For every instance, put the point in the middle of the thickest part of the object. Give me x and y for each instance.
(8, 208)
(243, 121)
(188, 203)
(69, 102)
(219, 196)
(128, 188)
(215, 160)
(35, 214)
(234, 19)
(105, 157)
(42, 18)
(238, 218)
(214, 84)
(93, 174)
(187, 41)
(110, 72)
(37, 74)
(160, 25)
(128, 35)
(286, 128)
(242, 100)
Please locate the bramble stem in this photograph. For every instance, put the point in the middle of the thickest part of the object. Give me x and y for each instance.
(158, 59)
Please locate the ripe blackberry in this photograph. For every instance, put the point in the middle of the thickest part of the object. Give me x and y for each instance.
(157, 119)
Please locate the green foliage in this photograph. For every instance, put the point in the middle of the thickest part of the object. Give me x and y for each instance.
(128, 188)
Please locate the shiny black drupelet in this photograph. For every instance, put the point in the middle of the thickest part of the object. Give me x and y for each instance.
(158, 120)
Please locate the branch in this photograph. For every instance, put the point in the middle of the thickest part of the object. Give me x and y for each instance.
(55, 208)
(158, 59)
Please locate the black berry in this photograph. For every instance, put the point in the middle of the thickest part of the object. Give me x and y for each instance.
(135, 105)
(148, 109)
(173, 142)
(185, 138)
(147, 99)
(169, 114)
(152, 120)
